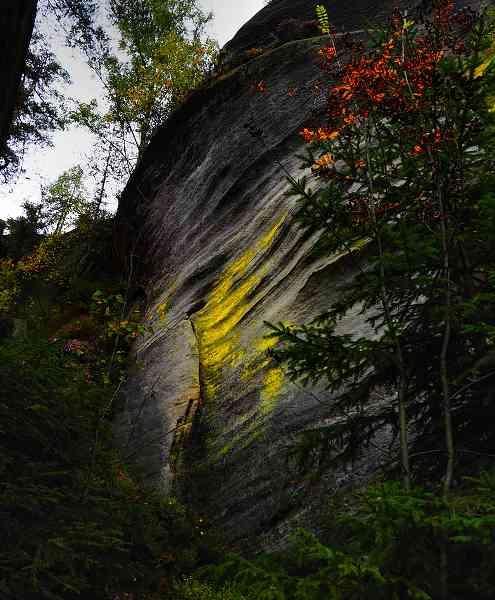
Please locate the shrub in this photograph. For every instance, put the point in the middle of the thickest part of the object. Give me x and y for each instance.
(195, 589)
(73, 522)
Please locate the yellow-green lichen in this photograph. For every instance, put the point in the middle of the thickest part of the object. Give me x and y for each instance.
(224, 450)
(162, 310)
(221, 346)
(272, 384)
(228, 302)
(258, 360)
(272, 376)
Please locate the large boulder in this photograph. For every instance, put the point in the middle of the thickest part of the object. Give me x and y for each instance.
(206, 214)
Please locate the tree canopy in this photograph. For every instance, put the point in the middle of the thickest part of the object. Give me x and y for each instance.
(161, 56)
(147, 55)
(406, 175)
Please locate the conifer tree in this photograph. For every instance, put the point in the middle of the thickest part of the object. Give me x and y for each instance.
(406, 178)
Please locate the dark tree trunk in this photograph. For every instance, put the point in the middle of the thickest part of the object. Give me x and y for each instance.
(16, 27)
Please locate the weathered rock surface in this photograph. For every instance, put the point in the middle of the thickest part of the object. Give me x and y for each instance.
(208, 212)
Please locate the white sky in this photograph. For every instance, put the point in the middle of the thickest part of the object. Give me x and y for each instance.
(43, 166)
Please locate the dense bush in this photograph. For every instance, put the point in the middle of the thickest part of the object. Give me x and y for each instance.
(73, 522)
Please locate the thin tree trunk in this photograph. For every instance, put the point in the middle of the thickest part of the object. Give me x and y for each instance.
(402, 392)
(447, 412)
(446, 400)
(102, 188)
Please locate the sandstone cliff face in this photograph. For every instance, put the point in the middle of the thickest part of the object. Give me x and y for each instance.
(205, 410)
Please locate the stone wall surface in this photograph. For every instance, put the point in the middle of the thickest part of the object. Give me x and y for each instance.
(205, 410)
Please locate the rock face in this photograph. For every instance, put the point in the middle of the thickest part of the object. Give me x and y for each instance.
(205, 410)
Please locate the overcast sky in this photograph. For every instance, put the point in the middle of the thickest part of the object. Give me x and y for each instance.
(44, 165)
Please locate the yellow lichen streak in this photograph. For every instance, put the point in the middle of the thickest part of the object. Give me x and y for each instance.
(272, 375)
(272, 384)
(230, 299)
(258, 359)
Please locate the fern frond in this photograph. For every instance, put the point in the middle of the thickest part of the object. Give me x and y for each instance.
(322, 16)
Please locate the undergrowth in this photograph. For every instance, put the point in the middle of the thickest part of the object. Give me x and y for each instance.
(388, 546)
(74, 522)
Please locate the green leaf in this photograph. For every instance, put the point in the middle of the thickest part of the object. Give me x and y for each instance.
(38, 408)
